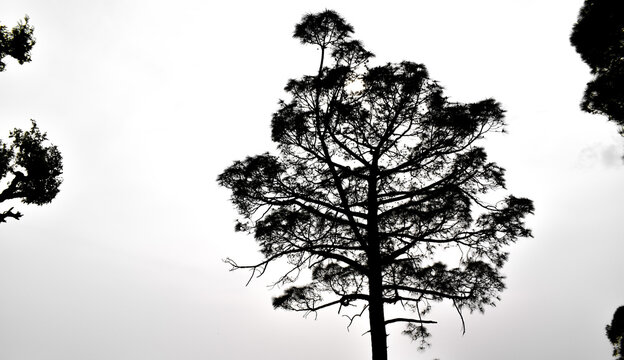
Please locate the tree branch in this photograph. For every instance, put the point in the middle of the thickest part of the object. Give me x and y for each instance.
(410, 321)
(11, 214)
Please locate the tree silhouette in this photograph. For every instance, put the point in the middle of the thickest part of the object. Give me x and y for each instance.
(16, 43)
(30, 168)
(376, 183)
(598, 37)
(615, 333)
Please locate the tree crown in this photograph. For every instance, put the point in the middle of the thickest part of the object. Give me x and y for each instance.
(598, 37)
(17, 42)
(372, 183)
(31, 168)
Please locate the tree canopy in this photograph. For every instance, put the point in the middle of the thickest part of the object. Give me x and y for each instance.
(615, 333)
(378, 191)
(30, 168)
(16, 42)
(598, 37)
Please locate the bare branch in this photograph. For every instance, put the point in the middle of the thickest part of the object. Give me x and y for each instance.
(10, 214)
(418, 321)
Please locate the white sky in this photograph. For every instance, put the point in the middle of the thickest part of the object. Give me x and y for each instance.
(149, 101)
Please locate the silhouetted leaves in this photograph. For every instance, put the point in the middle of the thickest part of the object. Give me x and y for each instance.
(17, 42)
(31, 168)
(322, 29)
(615, 333)
(376, 175)
(598, 37)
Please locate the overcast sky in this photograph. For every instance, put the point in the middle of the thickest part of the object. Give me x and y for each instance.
(149, 101)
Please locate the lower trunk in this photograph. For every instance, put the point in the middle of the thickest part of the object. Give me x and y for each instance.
(375, 279)
(377, 319)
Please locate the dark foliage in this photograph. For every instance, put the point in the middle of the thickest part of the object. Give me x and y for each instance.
(30, 168)
(598, 37)
(377, 176)
(16, 42)
(615, 333)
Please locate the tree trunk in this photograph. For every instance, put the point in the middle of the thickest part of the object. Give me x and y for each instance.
(377, 319)
(375, 282)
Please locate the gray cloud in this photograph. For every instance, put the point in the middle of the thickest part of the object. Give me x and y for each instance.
(601, 155)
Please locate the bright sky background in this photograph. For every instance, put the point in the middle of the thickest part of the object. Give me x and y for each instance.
(149, 101)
